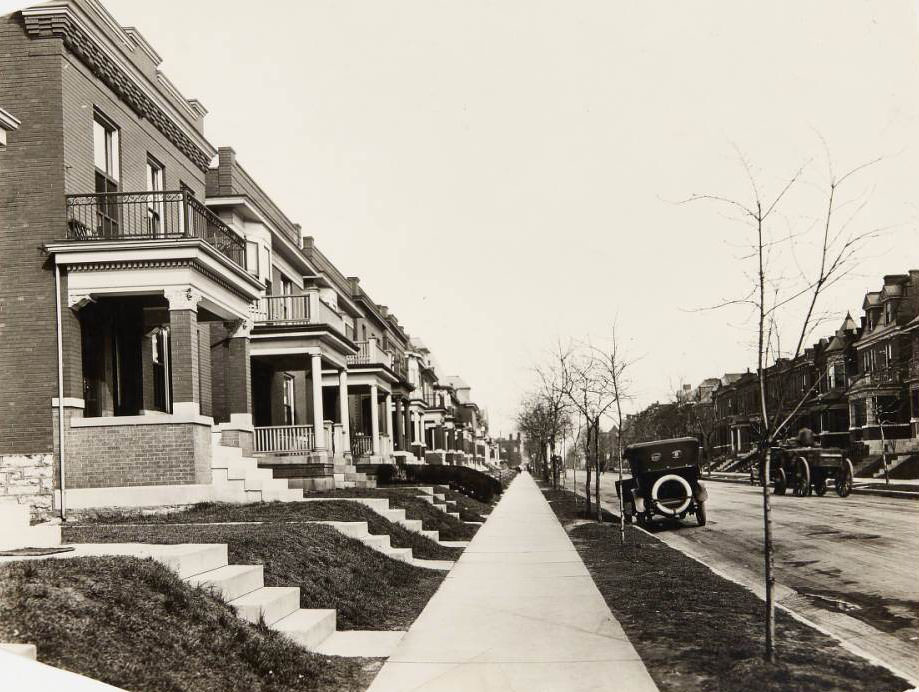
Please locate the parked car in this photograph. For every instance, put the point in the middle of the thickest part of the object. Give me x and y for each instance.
(665, 481)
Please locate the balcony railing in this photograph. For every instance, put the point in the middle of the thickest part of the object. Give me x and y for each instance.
(285, 438)
(370, 354)
(150, 216)
(283, 309)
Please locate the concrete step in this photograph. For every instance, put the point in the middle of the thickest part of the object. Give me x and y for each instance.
(395, 515)
(433, 535)
(24, 650)
(270, 602)
(441, 507)
(455, 515)
(355, 476)
(400, 554)
(440, 496)
(415, 525)
(232, 581)
(344, 468)
(38, 536)
(360, 644)
(194, 558)
(307, 627)
(253, 495)
(352, 529)
(14, 517)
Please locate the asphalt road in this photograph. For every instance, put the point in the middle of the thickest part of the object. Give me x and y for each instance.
(849, 565)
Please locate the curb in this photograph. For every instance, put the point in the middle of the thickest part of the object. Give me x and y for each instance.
(901, 494)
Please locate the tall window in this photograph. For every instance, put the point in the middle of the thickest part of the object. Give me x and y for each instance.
(289, 411)
(162, 379)
(106, 154)
(155, 210)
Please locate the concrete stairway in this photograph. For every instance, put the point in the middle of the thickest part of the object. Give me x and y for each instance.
(347, 476)
(243, 587)
(16, 531)
(380, 505)
(381, 543)
(240, 479)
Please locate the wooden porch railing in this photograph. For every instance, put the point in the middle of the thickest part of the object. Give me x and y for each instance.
(285, 438)
(361, 445)
(283, 309)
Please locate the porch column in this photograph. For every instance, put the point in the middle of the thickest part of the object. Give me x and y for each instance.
(343, 410)
(399, 437)
(183, 332)
(388, 409)
(318, 417)
(238, 369)
(407, 423)
(375, 419)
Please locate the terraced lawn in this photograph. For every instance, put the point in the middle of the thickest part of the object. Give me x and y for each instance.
(450, 528)
(369, 590)
(215, 512)
(134, 624)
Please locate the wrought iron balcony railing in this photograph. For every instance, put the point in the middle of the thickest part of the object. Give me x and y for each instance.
(150, 216)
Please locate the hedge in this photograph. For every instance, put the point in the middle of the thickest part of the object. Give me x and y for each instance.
(473, 483)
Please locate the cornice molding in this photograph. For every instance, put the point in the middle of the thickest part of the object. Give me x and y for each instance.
(158, 264)
(59, 21)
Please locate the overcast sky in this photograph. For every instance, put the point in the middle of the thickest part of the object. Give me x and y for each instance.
(502, 174)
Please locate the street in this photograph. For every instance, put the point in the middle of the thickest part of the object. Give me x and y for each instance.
(850, 565)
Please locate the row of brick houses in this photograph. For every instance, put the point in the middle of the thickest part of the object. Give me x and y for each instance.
(161, 319)
(857, 389)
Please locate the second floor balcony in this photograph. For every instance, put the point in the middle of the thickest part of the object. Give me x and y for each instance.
(150, 216)
(370, 353)
(296, 310)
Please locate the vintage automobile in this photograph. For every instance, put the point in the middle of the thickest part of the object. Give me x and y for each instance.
(809, 470)
(665, 481)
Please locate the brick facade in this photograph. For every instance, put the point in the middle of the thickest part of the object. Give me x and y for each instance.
(107, 456)
(48, 157)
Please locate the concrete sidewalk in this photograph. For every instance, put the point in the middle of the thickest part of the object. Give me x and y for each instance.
(519, 611)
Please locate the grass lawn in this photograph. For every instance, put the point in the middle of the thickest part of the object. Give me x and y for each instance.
(695, 630)
(210, 512)
(369, 590)
(134, 624)
(450, 528)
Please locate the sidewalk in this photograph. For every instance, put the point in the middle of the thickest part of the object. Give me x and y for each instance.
(519, 611)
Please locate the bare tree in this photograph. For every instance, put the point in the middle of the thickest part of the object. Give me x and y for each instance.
(614, 368)
(770, 292)
(582, 375)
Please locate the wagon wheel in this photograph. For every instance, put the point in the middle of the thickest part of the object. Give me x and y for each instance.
(802, 478)
(781, 482)
(700, 513)
(844, 478)
(820, 484)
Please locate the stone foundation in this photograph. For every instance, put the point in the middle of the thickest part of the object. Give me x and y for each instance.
(26, 479)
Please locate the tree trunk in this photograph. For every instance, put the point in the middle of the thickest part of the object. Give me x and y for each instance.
(587, 468)
(764, 446)
(597, 462)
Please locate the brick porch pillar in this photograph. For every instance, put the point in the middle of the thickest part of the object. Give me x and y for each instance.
(183, 332)
(239, 373)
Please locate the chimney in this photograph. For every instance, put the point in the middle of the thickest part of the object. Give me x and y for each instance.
(226, 161)
(355, 288)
